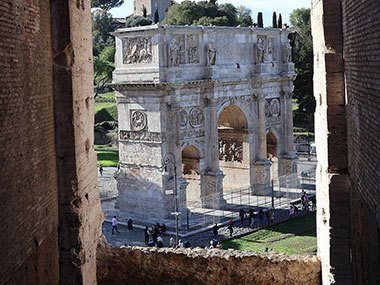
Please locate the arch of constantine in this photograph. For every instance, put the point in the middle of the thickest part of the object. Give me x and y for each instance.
(218, 98)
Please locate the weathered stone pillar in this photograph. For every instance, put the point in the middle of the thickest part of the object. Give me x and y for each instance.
(182, 203)
(288, 161)
(212, 182)
(262, 165)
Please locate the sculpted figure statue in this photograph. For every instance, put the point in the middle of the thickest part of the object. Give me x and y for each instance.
(173, 53)
(211, 54)
(260, 50)
(288, 51)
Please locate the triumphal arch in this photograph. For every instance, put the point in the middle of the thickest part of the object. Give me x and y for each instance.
(218, 98)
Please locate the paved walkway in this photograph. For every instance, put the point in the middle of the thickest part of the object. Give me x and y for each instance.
(135, 237)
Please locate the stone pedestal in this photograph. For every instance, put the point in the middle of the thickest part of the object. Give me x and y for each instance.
(262, 178)
(212, 190)
(263, 68)
(182, 204)
(287, 165)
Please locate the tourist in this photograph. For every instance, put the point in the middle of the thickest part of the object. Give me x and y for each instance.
(251, 218)
(163, 228)
(211, 244)
(114, 225)
(159, 242)
(231, 228)
(101, 169)
(265, 250)
(261, 217)
(215, 229)
(291, 212)
(130, 224)
(172, 243)
(146, 235)
(271, 216)
(154, 232)
(219, 245)
(242, 215)
(180, 244)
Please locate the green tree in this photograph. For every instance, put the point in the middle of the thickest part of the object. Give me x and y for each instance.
(279, 24)
(136, 21)
(201, 13)
(274, 20)
(260, 22)
(156, 16)
(183, 14)
(244, 16)
(106, 4)
(102, 26)
(303, 58)
(103, 68)
(230, 12)
(207, 21)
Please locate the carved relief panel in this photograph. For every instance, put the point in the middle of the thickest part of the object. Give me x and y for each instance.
(138, 120)
(230, 150)
(196, 117)
(271, 50)
(137, 50)
(192, 49)
(273, 111)
(191, 123)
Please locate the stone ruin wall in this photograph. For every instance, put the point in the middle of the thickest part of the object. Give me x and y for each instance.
(346, 40)
(361, 55)
(141, 265)
(28, 183)
(50, 208)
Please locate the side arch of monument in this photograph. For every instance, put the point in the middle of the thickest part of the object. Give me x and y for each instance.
(234, 148)
(192, 160)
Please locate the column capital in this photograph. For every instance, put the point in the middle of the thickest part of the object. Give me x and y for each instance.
(259, 96)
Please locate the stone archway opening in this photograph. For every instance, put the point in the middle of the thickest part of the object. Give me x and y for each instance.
(233, 147)
(272, 155)
(191, 172)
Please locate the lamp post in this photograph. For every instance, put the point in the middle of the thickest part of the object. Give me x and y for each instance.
(169, 158)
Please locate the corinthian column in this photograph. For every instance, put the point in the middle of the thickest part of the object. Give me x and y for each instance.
(262, 130)
(289, 125)
(262, 165)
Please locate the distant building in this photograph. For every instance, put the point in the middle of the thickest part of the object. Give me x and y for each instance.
(151, 5)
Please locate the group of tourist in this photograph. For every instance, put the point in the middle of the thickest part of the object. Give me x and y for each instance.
(262, 218)
(214, 244)
(156, 233)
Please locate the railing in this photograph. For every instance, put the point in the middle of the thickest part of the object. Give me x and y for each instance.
(220, 208)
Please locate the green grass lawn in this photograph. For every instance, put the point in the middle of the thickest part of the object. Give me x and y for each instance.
(108, 158)
(104, 147)
(297, 236)
(105, 97)
(103, 105)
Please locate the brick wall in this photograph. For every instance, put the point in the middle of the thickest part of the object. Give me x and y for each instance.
(333, 187)
(28, 183)
(361, 34)
(50, 208)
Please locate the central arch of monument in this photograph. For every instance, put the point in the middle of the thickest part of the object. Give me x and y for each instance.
(209, 95)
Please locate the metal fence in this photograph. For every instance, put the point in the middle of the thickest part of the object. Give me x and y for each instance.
(283, 191)
(280, 194)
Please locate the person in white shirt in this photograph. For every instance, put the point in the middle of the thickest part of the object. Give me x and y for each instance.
(114, 225)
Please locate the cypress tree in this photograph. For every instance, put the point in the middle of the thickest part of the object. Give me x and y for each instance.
(279, 25)
(156, 16)
(260, 22)
(274, 20)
